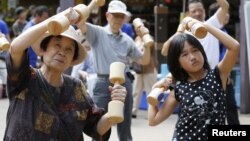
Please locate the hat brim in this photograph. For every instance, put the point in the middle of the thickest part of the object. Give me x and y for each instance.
(119, 11)
(82, 53)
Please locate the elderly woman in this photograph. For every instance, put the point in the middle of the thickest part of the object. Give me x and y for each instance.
(45, 104)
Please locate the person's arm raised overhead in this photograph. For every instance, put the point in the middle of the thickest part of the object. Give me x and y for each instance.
(166, 44)
(227, 63)
(223, 10)
(145, 59)
(29, 37)
(23, 41)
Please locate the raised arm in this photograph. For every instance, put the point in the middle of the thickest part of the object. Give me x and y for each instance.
(24, 40)
(223, 10)
(145, 59)
(29, 37)
(227, 63)
(156, 115)
(164, 50)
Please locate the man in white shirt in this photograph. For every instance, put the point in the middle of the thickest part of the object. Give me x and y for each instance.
(196, 10)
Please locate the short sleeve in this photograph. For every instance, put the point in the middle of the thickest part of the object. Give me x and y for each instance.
(91, 34)
(17, 77)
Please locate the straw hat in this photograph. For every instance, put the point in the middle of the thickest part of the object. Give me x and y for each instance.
(70, 33)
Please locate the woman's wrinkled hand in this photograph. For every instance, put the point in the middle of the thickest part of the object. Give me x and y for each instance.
(72, 16)
(118, 92)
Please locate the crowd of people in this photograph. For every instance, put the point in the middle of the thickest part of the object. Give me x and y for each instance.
(58, 86)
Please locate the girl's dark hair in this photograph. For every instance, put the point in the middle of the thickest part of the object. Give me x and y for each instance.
(175, 49)
(45, 42)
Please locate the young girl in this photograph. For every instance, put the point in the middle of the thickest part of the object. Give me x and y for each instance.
(200, 91)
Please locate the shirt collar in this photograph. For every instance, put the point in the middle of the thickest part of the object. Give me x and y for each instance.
(108, 30)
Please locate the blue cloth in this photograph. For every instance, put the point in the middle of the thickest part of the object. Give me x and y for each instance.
(4, 27)
(128, 29)
(88, 64)
(223, 49)
(31, 52)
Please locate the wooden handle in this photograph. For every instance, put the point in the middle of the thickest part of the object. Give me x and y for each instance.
(117, 83)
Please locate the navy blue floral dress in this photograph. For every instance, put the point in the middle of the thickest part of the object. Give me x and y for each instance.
(41, 112)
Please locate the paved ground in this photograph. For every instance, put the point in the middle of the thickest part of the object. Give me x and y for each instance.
(140, 129)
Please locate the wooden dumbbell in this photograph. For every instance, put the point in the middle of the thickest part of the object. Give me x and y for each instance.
(115, 107)
(4, 43)
(59, 23)
(155, 95)
(147, 39)
(84, 11)
(197, 29)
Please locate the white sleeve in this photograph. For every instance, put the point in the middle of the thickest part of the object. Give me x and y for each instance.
(214, 21)
(75, 69)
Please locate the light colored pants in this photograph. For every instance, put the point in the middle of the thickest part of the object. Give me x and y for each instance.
(142, 82)
(3, 72)
(91, 80)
